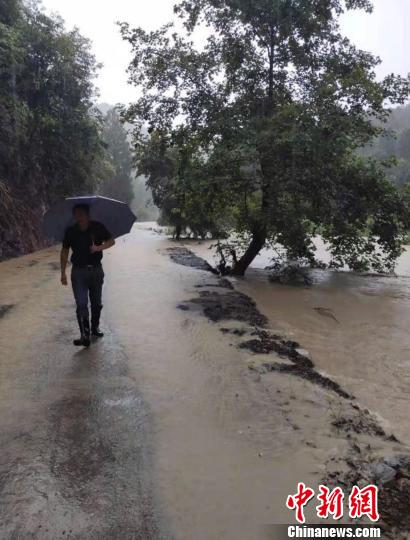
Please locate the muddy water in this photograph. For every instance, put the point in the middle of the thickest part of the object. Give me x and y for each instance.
(223, 466)
(161, 430)
(359, 335)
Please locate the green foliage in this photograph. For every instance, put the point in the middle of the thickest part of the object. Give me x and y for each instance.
(50, 144)
(179, 188)
(259, 129)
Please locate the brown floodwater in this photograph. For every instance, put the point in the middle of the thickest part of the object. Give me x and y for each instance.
(365, 342)
(160, 429)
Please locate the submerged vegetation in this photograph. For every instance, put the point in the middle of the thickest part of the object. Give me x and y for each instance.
(258, 131)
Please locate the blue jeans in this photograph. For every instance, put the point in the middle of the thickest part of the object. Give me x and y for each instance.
(88, 283)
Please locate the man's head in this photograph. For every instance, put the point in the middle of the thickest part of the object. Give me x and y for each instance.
(81, 213)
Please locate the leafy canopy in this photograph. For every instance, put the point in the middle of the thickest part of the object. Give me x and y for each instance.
(264, 120)
(50, 142)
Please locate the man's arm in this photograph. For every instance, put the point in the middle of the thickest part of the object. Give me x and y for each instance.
(63, 263)
(105, 245)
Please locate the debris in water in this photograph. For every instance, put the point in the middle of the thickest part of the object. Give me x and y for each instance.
(5, 309)
(359, 422)
(326, 312)
(235, 331)
(309, 374)
(268, 343)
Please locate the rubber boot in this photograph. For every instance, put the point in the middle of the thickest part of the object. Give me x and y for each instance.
(84, 325)
(95, 322)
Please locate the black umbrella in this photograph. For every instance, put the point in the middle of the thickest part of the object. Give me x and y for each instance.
(115, 215)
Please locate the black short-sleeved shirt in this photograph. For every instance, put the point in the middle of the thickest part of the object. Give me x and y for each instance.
(81, 241)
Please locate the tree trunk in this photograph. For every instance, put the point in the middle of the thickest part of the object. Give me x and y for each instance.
(178, 231)
(257, 243)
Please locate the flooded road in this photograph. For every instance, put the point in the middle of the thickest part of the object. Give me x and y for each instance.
(161, 430)
(68, 468)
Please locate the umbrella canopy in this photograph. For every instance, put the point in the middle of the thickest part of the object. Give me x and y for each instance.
(115, 215)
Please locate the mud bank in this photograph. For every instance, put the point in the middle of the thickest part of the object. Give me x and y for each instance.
(229, 306)
(236, 306)
(267, 343)
(366, 451)
(184, 256)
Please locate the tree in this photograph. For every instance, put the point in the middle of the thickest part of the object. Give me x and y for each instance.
(9, 11)
(50, 143)
(272, 111)
(118, 178)
(178, 185)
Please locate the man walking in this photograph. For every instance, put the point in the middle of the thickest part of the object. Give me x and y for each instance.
(87, 240)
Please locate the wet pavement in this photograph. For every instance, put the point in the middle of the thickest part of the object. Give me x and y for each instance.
(76, 441)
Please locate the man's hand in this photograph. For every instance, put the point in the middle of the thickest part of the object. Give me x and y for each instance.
(63, 261)
(95, 249)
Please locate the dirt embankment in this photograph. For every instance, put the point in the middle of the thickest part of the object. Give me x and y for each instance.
(367, 453)
(20, 224)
